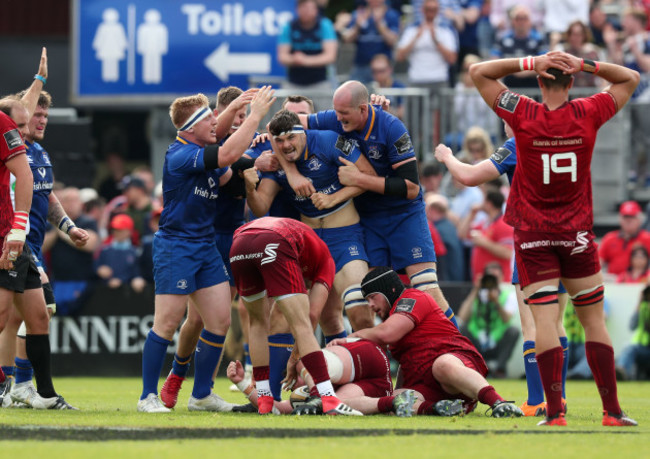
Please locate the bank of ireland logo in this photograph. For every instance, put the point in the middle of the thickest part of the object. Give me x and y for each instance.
(270, 253)
(181, 284)
(416, 252)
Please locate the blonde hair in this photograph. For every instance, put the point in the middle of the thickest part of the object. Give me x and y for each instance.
(181, 109)
(477, 134)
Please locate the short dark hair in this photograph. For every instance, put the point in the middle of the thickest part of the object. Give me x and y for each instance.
(296, 99)
(561, 81)
(44, 98)
(495, 198)
(283, 121)
(431, 169)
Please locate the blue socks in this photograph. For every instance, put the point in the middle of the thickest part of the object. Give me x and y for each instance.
(23, 371)
(247, 356)
(153, 357)
(208, 354)
(533, 380)
(564, 342)
(330, 338)
(181, 365)
(451, 316)
(280, 347)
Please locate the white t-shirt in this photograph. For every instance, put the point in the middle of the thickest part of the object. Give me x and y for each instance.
(426, 64)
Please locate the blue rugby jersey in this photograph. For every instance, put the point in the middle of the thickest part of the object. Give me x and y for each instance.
(189, 193)
(230, 210)
(39, 162)
(320, 163)
(385, 141)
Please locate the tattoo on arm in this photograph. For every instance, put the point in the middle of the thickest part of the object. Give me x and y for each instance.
(55, 213)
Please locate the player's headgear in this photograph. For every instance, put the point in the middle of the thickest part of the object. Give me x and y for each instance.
(385, 281)
(195, 117)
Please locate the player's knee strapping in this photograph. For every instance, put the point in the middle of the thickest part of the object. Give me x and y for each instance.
(425, 279)
(545, 295)
(48, 292)
(589, 296)
(352, 297)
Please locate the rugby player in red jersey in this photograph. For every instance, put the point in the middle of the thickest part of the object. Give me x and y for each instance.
(550, 207)
(272, 257)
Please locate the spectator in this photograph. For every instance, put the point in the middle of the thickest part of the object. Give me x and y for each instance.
(470, 109)
(521, 40)
(430, 49)
(638, 267)
(117, 261)
(382, 74)
(109, 188)
(486, 314)
(634, 362)
(468, 34)
(577, 41)
(145, 174)
(431, 176)
(501, 10)
(71, 266)
(374, 28)
(136, 202)
(599, 23)
(307, 47)
(492, 239)
(451, 267)
(633, 52)
(477, 146)
(617, 245)
(558, 17)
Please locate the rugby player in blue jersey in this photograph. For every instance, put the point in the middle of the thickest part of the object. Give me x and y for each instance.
(187, 264)
(392, 210)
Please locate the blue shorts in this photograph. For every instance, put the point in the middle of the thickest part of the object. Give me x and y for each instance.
(345, 244)
(224, 243)
(182, 266)
(515, 279)
(399, 240)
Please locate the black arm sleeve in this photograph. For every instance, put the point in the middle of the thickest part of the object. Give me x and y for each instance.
(236, 186)
(396, 186)
(242, 164)
(211, 157)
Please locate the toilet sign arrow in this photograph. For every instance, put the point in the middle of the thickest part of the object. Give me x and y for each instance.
(222, 63)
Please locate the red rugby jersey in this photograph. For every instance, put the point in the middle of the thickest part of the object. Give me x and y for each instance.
(551, 188)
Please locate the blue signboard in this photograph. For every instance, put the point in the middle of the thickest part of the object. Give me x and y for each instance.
(156, 49)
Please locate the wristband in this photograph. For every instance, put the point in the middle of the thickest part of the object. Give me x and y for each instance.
(589, 66)
(42, 78)
(66, 225)
(20, 220)
(526, 63)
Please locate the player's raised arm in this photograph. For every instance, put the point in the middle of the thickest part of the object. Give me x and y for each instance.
(30, 98)
(467, 174)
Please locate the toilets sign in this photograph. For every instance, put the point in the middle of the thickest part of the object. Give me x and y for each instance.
(154, 50)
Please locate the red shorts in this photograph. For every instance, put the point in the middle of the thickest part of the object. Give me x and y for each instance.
(543, 256)
(424, 382)
(371, 368)
(265, 260)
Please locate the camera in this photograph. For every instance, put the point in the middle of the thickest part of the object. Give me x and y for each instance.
(488, 282)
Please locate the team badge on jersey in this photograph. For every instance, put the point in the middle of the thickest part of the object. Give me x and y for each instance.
(403, 144)
(344, 145)
(314, 164)
(500, 155)
(508, 101)
(373, 152)
(13, 139)
(405, 305)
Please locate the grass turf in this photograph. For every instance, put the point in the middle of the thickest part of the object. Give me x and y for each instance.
(108, 415)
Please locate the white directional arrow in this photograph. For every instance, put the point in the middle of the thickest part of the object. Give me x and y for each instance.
(222, 63)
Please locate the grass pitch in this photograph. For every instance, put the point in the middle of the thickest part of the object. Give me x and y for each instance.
(108, 425)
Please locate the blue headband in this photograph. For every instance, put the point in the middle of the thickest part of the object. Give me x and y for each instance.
(197, 116)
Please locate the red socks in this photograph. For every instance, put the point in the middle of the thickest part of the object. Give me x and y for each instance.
(489, 396)
(601, 361)
(550, 370)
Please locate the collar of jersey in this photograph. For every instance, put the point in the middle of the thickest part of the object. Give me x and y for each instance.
(306, 153)
(371, 122)
(184, 141)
